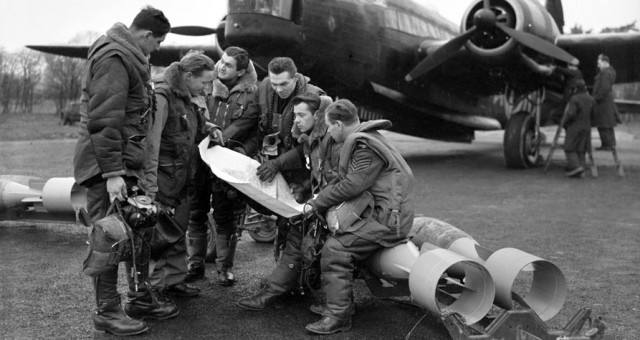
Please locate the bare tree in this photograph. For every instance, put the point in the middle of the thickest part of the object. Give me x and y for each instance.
(8, 80)
(30, 70)
(63, 79)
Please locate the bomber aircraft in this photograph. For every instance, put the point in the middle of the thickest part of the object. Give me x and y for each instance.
(401, 61)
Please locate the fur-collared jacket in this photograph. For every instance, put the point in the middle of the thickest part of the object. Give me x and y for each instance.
(172, 135)
(319, 152)
(276, 115)
(235, 110)
(115, 102)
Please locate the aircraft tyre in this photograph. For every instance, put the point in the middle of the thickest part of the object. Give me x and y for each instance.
(521, 149)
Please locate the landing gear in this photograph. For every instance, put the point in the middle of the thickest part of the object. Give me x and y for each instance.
(522, 142)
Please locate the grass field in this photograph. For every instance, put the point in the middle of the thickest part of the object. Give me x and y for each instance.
(590, 229)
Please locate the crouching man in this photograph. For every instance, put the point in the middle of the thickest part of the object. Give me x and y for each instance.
(371, 167)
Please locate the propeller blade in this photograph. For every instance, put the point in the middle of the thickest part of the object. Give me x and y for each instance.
(486, 4)
(440, 55)
(195, 31)
(539, 45)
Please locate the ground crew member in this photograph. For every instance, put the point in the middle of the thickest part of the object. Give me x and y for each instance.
(577, 122)
(606, 116)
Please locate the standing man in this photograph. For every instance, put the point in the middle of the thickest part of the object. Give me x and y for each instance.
(577, 122)
(606, 116)
(276, 108)
(322, 153)
(177, 120)
(233, 106)
(368, 163)
(111, 154)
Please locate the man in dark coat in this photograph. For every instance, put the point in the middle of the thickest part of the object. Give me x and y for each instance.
(577, 122)
(606, 116)
(276, 116)
(177, 121)
(111, 154)
(371, 167)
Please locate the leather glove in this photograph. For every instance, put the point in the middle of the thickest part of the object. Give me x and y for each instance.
(298, 191)
(268, 170)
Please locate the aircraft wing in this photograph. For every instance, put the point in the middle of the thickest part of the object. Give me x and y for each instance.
(163, 57)
(622, 48)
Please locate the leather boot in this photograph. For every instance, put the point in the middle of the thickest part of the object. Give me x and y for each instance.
(226, 250)
(329, 325)
(259, 301)
(109, 316)
(142, 302)
(196, 250)
(144, 305)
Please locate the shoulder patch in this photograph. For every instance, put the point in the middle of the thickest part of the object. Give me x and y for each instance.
(360, 161)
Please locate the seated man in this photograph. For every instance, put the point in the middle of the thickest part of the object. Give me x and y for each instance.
(318, 148)
(368, 163)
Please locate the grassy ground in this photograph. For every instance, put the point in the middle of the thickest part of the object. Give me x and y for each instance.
(588, 228)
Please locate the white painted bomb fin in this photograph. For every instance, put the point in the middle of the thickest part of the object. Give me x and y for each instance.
(240, 172)
(58, 195)
(452, 273)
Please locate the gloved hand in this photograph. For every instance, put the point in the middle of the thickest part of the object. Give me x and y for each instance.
(215, 133)
(268, 170)
(299, 192)
(117, 188)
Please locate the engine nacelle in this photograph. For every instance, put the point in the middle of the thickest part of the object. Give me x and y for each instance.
(523, 15)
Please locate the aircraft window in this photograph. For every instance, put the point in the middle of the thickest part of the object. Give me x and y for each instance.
(391, 19)
(278, 8)
(404, 22)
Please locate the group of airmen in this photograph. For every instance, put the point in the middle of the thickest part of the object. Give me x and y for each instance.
(139, 136)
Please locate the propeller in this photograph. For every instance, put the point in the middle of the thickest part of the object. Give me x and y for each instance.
(484, 21)
(195, 31)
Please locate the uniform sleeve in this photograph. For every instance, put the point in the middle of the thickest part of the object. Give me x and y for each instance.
(106, 112)
(363, 171)
(154, 137)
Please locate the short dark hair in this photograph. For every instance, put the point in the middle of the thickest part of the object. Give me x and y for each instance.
(604, 57)
(196, 62)
(281, 64)
(342, 110)
(153, 20)
(240, 55)
(310, 98)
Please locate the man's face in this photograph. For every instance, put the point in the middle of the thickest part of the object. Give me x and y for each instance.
(304, 117)
(197, 84)
(335, 129)
(600, 63)
(228, 69)
(283, 83)
(150, 43)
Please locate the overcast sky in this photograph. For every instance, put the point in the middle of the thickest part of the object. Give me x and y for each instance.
(24, 22)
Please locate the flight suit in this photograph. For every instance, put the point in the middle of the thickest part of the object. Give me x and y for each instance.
(368, 162)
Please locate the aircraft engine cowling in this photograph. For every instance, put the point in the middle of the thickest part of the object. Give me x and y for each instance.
(493, 44)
